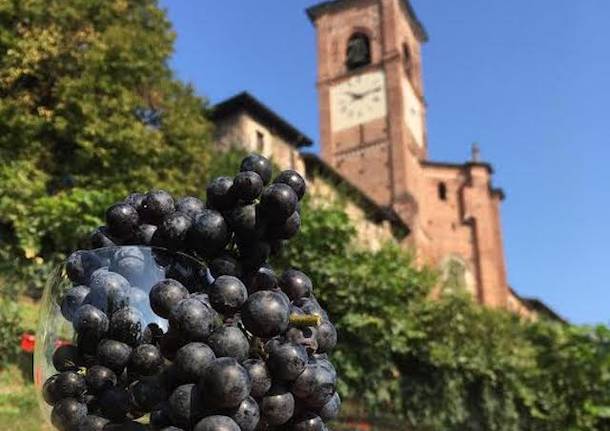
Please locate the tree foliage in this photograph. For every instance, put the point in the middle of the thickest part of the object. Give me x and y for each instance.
(89, 111)
(445, 364)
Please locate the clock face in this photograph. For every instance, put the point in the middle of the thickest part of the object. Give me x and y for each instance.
(413, 112)
(358, 100)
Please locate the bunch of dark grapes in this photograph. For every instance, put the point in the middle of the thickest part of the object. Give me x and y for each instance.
(209, 339)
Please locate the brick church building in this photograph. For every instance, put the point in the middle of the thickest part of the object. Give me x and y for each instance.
(373, 141)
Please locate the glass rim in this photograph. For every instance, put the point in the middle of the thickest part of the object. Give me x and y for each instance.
(100, 250)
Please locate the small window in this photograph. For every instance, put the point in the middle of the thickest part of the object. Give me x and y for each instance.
(406, 54)
(358, 51)
(260, 141)
(442, 191)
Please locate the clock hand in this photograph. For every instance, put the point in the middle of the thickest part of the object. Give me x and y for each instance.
(354, 96)
(374, 90)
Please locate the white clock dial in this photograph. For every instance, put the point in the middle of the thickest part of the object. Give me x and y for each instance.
(413, 112)
(358, 100)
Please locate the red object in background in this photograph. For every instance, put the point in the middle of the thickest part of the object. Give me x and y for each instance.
(28, 342)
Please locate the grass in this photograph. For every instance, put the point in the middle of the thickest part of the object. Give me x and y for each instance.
(19, 409)
(18, 405)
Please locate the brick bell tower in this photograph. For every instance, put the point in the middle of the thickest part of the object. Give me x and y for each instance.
(373, 132)
(372, 108)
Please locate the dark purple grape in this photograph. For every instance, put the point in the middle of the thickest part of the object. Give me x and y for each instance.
(330, 410)
(260, 377)
(147, 394)
(90, 322)
(172, 233)
(294, 180)
(170, 343)
(100, 378)
(265, 314)
(261, 279)
(315, 385)
(277, 406)
(308, 422)
(146, 360)
(67, 413)
(135, 200)
(92, 423)
(193, 320)
(220, 194)
(306, 337)
(108, 291)
(184, 405)
(246, 222)
(286, 230)
(65, 358)
(100, 238)
(247, 186)
(72, 299)
(145, 233)
(254, 254)
(287, 360)
(127, 325)
(160, 420)
(127, 426)
(156, 206)
(165, 295)
(229, 341)
(225, 383)
(114, 404)
(201, 297)
(80, 265)
(192, 275)
(326, 337)
(122, 220)
(191, 206)
(227, 294)
(259, 164)
(216, 423)
(113, 354)
(296, 284)
(69, 384)
(246, 415)
(128, 262)
(209, 233)
(50, 392)
(191, 360)
(225, 264)
(278, 202)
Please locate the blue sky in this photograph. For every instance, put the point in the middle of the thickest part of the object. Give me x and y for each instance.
(528, 80)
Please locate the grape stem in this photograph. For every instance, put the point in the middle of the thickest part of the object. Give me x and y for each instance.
(301, 320)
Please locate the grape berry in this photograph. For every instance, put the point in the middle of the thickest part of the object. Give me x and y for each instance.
(162, 343)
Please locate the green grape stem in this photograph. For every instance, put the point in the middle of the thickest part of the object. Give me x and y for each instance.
(301, 320)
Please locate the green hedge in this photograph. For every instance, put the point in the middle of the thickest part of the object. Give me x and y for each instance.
(445, 364)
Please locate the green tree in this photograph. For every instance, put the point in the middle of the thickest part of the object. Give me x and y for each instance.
(89, 111)
(445, 364)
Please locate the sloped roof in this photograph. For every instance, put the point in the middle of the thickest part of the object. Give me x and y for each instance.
(538, 307)
(315, 11)
(378, 213)
(244, 101)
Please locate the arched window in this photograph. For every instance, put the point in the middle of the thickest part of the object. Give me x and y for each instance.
(358, 51)
(442, 191)
(456, 276)
(406, 56)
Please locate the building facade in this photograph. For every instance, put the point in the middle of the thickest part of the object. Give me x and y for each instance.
(373, 140)
(373, 132)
